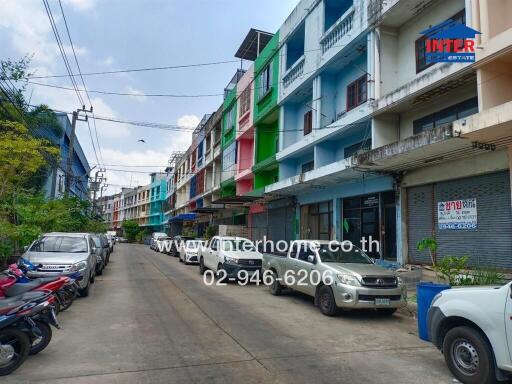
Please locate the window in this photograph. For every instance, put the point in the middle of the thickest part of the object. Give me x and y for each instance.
(357, 93)
(231, 119)
(245, 101)
(362, 146)
(266, 81)
(421, 44)
(308, 122)
(229, 157)
(309, 166)
(446, 116)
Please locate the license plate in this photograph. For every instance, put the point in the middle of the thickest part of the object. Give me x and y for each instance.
(382, 301)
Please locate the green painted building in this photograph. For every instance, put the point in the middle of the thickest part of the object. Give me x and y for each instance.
(266, 115)
(229, 150)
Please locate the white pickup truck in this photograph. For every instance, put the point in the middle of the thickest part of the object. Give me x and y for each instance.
(227, 256)
(335, 277)
(473, 329)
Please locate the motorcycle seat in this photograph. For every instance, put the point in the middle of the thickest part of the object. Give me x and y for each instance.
(19, 288)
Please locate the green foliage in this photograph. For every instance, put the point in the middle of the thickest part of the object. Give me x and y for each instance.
(209, 232)
(451, 268)
(188, 230)
(456, 272)
(130, 229)
(430, 244)
(28, 216)
(21, 156)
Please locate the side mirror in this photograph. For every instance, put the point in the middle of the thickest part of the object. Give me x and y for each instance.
(311, 259)
(25, 248)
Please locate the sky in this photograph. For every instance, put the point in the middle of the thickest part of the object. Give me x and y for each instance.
(123, 34)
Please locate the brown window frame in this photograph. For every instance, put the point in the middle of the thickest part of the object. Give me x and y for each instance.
(353, 90)
(308, 122)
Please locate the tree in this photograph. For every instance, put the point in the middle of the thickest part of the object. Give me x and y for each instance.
(21, 156)
(130, 229)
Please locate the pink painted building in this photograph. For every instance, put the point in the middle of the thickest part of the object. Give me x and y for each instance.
(244, 177)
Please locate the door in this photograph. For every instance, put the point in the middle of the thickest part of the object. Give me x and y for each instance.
(508, 318)
(302, 268)
(210, 258)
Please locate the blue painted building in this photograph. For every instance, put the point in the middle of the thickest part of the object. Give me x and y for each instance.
(157, 197)
(80, 169)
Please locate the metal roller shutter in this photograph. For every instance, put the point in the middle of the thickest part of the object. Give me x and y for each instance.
(419, 208)
(258, 226)
(490, 245)
(280, 223)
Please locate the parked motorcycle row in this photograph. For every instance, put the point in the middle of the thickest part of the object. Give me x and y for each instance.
(54, 270)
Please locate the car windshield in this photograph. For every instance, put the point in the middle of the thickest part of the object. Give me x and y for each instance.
(238, 245)
(193, 244)
(67, 244)
(335, 254)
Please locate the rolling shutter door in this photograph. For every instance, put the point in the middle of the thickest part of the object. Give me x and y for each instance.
(490, 245)
(258, 227)
(419, 208)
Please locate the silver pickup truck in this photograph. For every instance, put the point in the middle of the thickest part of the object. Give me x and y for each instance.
(335, 277)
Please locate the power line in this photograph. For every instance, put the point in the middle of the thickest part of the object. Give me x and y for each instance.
(85, 88)
(126, 93)
(61, 49)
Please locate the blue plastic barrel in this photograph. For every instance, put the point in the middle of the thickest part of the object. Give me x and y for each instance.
(426, 291)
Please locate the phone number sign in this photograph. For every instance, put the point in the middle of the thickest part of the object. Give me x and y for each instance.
(457, 214)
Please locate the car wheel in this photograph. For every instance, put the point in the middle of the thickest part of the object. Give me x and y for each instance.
(386, 311)
(326, 301)
(221, 274)
(275, 287)
(99, 272)
(93, 277)
(202, 268)
(39, 343)
(468, 356)
(84, 292)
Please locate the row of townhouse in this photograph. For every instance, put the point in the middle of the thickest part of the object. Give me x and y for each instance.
(342, 129)
(143, 204)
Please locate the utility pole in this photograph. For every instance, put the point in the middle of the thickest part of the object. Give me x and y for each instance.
(69, 164)
(95, 185)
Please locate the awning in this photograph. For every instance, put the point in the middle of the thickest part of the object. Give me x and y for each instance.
(184, 217)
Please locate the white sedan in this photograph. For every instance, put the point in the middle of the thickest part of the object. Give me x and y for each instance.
(189, 251)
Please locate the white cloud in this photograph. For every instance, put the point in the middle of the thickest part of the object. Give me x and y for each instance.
(189, 121)
(107, 61)
(81, 5)
(134, 91)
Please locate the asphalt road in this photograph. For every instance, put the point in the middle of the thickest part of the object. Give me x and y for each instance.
(151, 319)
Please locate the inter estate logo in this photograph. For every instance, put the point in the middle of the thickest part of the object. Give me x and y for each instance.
(450, 42)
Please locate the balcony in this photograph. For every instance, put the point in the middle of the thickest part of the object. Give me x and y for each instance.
(334, 34)
(295, 71)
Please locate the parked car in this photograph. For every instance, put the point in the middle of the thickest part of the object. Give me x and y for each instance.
(154, 236)
(473, 328)
(176, 242)
(65, 252)
(111, 242)
(189, 251)
(335, 278)
(229, 255)
(161, 243)
(101, 251)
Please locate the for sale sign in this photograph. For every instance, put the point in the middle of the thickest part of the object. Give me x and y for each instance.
(457, 214)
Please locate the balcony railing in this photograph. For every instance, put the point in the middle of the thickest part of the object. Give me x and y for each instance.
(295, 71)
(337, 31)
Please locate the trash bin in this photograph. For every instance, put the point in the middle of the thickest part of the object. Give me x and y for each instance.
(426, 291)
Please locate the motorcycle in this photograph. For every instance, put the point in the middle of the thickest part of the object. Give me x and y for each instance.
(17, 282)
(25, 327)
(65, 295)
